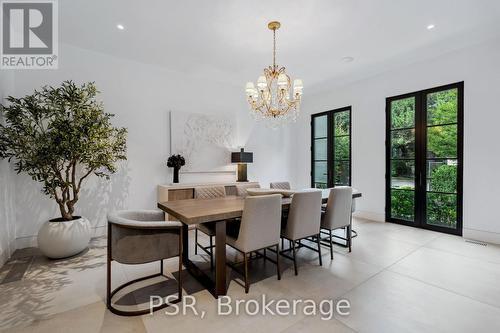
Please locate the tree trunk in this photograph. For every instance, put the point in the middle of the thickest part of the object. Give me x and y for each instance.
(71, 209)
(65, 214)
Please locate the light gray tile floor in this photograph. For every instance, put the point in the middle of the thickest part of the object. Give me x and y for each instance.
(397, 279)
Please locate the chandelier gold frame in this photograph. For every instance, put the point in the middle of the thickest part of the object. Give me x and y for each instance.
(273, 97)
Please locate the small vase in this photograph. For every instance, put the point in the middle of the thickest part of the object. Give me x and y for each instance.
(176, 175)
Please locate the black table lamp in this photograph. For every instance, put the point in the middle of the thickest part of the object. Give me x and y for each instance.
(242, 158)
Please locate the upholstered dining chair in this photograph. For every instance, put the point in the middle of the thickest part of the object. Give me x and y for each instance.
(259, 230)
(139, 237)
(338, 214)
(303, 222)
(241, 189)
(280, 185)
(207, 192)
(353, 232)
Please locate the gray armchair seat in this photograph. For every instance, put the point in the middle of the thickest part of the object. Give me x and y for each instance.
(139, 237)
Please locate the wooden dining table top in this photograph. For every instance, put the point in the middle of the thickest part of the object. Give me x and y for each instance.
(196, 211)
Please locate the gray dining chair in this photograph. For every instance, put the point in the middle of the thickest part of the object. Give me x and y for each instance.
(280, 185)
(338, 214)
(303, 222)
(241, 189)
(207, 192)
(139, 237)
(259, 230)
(353, 232)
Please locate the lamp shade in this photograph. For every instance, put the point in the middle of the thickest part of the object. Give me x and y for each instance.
(282, 81)
(262, 82)
(242, 157)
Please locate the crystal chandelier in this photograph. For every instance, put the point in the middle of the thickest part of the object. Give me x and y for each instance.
(273, 99)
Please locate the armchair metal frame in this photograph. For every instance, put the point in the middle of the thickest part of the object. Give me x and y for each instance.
(110, 293)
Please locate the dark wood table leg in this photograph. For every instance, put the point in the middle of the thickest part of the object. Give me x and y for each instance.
(217, 287)
(185, 244)
(220, 258)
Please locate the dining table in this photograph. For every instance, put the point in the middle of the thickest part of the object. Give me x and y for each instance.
(191, 212)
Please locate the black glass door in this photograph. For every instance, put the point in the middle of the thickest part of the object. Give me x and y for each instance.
(424, 159)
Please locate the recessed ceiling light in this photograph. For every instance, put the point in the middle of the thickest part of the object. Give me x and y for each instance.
(430, 26)
(347, 59)
(120, 27)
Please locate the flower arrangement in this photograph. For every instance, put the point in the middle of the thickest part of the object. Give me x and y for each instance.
(176, 161)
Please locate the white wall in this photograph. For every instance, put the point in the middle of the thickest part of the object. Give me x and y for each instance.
(7, 190)
(140, 96)
(479, 67)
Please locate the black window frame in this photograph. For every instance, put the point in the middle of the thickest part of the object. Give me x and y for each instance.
(331, 145)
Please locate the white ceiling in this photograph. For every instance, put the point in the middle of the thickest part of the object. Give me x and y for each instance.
(228, 40)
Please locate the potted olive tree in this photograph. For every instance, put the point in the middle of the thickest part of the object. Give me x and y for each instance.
(59, 137)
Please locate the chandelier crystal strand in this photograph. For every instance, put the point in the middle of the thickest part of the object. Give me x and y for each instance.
(273, 98)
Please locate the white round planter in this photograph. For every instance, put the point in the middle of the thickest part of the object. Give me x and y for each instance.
(64, 239)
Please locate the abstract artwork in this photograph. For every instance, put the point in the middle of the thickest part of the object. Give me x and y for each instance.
(204, 140)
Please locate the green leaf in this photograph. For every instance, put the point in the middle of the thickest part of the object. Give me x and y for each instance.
(57, 131)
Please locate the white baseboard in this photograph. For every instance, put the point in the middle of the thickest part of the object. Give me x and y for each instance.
(24, 242)
(478, 235)
(378, 217)
(4, 256)
(483, 236)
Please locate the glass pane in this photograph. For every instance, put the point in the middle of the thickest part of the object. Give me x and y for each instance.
(402, 204)
(341, 121)
(320, 148)
(442, 176)
(341, 148)
(320, 126)
(442, 209)
(341, 176)
(433, 165)
(403, 174)
(442, 173)
(403, 113)
(319, 185)
(442, 141)
(442, 107)
(320, 173)
(403, 144)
